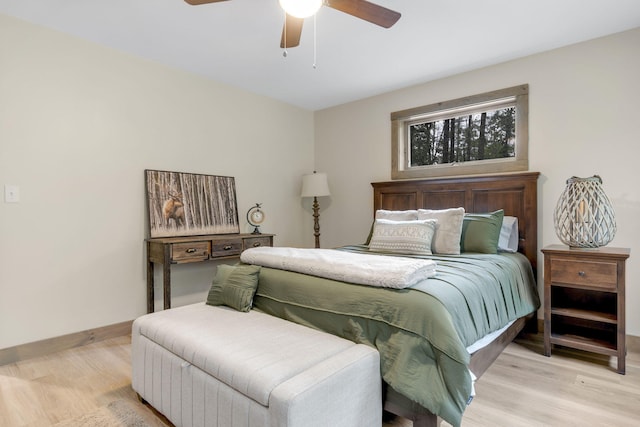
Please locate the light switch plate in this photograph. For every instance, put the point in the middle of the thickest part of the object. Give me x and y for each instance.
(11, 193)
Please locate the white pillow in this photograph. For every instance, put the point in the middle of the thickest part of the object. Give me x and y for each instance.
(509, 237)
(446, 239)
(403, 237)
(408, 215)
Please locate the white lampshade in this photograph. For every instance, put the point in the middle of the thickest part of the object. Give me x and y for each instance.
(300, 8)
(315, 185)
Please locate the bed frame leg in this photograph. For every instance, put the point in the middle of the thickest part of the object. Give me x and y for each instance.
(531, 326)
(399, 405)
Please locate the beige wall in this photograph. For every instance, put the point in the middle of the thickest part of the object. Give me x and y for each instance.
(582, 121)
(79, 123)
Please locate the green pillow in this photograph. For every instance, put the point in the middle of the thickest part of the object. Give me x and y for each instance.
(481, 232)
(234, 286)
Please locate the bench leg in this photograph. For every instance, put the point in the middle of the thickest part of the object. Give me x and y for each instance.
(426, 421)
(141, 400)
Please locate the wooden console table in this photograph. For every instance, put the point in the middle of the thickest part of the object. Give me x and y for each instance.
(181, 250)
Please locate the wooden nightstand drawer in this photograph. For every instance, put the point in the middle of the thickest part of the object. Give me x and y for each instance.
(256, 242)
(189, 252)
(222, 248)
(593, 274)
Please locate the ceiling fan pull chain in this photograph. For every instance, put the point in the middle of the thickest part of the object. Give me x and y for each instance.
(315, 43)
(284, 54)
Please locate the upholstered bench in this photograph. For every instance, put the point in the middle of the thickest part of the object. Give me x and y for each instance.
(201, 365)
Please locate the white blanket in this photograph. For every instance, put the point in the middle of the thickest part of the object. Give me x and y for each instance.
(374, 270)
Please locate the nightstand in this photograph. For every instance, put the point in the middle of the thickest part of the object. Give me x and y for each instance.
(584, 300)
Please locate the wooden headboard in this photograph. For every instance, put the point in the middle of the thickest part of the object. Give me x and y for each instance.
(516, 193)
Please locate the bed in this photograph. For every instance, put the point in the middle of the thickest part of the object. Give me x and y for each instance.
(426, 375)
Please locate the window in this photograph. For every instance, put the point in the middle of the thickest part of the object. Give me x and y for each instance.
(484, 133)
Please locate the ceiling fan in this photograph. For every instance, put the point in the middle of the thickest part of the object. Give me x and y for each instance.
(362, 9)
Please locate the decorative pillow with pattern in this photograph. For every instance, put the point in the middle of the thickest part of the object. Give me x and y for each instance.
(408, 215)
(403, 237)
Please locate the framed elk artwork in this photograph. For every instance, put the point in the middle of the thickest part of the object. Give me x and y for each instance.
(189, 204)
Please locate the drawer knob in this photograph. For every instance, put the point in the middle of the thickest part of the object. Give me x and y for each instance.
(227, 247)
(256, 244)
(581, 273)
(191, 250)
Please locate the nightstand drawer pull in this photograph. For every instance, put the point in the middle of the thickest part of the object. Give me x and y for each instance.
(228, 247)
(581, 273)
(257, 244)
(191, 250)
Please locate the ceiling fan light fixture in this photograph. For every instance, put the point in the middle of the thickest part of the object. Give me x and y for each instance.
(301, 8)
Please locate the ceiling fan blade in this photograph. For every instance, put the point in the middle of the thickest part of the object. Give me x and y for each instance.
(365, 10)
(292, 31)
(197, 2)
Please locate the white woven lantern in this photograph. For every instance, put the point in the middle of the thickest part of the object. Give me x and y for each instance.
(584, 216)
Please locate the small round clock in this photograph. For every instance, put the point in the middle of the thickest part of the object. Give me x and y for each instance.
(255, 217)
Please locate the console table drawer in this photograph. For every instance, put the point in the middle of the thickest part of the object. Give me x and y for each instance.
(222, 248)
(594, 274)
(190, 252)
(256, 242)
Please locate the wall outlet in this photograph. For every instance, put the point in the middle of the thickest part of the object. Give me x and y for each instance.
(11, 193)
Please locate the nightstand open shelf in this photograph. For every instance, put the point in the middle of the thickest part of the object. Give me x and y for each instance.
(585, 314)
(583, 303)
(584, 343)
(584, 300)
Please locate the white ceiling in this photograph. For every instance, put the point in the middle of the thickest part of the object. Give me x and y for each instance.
(237, 41)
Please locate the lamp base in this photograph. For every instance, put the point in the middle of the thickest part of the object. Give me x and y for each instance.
(316, 221)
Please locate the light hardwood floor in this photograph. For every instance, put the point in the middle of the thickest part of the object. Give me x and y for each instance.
(522, 388)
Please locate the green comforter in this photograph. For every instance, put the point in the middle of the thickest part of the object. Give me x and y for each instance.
(422, 332)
